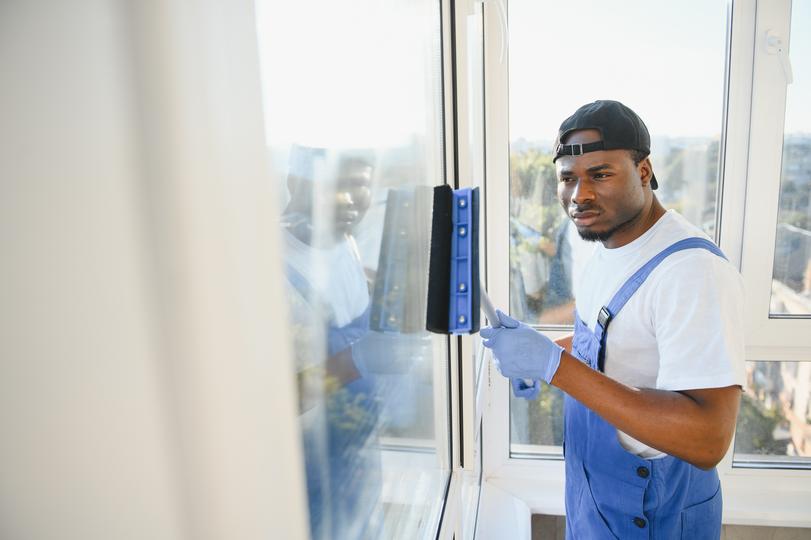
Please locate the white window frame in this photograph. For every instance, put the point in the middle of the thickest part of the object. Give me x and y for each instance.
(766, 496)
(768, 338)
(464, 145)
(751, 496)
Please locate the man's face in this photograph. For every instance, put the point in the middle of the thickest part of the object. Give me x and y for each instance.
(349, 198)
(603, 192)
(353, 195)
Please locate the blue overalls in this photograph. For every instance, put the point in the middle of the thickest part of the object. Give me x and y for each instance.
(611, 493)
(342, 489)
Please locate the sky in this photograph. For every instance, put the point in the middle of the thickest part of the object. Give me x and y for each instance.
(663, 59)
(353, 73)
(349, 73)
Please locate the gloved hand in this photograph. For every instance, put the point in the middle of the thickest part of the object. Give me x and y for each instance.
(522, 390)
(520, 351)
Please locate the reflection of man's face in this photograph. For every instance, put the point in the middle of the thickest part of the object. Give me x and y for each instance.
(353, 195)
(350, 194)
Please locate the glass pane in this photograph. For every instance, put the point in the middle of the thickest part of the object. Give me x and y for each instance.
(774, 423)
(352, 95)
(791, 283)
(536, 426)
(656, 80)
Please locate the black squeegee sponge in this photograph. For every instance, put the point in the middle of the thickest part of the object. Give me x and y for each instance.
(440, 267)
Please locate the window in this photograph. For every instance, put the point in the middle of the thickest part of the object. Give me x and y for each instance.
(776, 229)
(353, 99)
(748, 154)
(611, 50)
(774, 422)
(791, 276)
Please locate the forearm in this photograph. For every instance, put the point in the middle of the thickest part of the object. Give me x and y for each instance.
(673, 422)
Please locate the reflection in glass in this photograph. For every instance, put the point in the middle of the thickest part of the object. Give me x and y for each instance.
(791, 283)
(658, 81)
(353, 113)
(774, 422)
(536, 427)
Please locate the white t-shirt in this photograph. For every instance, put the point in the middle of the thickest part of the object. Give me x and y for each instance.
(681, 330)
(335, 275)
(328, 288)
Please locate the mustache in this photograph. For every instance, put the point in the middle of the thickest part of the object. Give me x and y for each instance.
(575, 208)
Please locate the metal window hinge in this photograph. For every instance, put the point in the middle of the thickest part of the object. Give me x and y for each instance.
(775, 44)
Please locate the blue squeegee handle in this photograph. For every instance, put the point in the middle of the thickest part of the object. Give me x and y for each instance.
(490, 312)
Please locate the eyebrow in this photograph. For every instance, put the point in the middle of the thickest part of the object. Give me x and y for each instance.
(593, 169)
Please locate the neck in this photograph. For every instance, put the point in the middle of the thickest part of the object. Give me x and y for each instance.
(637, 226)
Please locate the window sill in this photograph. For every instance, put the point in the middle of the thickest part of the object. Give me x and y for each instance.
(775, 498)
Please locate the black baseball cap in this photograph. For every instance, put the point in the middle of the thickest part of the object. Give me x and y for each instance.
(620, 129)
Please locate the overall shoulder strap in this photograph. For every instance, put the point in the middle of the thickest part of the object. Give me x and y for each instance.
(310, 294)
(298, 281)
(607, 313)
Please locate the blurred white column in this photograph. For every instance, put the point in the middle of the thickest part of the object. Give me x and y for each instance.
(145, 383)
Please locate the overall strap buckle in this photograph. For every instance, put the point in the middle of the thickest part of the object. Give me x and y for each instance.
(604, 318)
(602, 333)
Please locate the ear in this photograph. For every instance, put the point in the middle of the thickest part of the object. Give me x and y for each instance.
(645, 170)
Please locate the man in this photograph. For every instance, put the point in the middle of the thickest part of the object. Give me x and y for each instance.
(328, 295)
(651, 405)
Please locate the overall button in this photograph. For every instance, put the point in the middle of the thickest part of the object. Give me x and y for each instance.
(639, 522)
(642, 472)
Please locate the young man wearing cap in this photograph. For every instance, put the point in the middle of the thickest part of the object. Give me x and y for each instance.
(650, 406)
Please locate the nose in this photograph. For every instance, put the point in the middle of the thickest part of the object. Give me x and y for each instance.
(582, 192)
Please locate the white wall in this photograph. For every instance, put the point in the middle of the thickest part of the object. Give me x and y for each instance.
(145, 384)
(85, 444)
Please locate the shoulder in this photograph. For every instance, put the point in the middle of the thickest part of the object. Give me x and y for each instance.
(690, 275)
(696, 282)
(692, 261)
(694, 271)
(697, 260)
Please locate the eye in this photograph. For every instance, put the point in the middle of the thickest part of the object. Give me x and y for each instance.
(600, 175)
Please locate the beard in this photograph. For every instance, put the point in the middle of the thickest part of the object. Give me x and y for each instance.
(602, 236)
(597, 236)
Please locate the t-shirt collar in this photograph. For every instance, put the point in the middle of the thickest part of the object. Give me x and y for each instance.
(636, 244)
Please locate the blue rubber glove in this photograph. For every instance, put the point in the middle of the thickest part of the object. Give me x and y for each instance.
(520, 351)
(522, 390)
